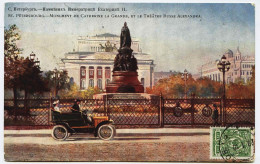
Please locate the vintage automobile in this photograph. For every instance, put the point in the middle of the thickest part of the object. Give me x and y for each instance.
(67, 124)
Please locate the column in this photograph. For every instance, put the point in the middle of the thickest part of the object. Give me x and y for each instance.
(87, 76)
(95, 76)
(103, 78)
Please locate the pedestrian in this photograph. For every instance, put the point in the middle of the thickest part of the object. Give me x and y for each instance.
(215, 115)
(75, 108)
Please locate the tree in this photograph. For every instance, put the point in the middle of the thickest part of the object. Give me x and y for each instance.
(57, 80)
(11, 36)
(32, 80)
(174, 86)
(12, 62)
(20, 73)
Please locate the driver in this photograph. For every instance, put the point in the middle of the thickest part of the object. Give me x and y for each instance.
(75, 108)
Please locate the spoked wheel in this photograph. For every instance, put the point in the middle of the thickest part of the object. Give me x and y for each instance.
(106, 132)
(59, 132)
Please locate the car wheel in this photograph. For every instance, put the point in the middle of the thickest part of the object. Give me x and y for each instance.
(59, 132)
(106, 132)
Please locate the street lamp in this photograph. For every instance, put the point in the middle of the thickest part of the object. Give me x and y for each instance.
(37, 62)
(184, 76)
(55, 76)
(32, 56)
(223, 66)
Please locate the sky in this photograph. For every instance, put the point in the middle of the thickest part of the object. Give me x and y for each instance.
(174, 43)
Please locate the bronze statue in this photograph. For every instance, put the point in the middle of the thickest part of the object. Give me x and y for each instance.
(125, 75)
(124, 60)
(125, 38)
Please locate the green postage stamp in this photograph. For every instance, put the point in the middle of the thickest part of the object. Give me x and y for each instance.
(232, 143)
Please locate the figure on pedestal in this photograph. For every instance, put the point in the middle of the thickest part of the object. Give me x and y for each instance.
(125, 38)
(125, 68)
(124, 60)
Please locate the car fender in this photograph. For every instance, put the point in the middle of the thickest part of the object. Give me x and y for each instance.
(66, 125)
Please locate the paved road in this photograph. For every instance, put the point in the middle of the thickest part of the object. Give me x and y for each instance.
(164, 144)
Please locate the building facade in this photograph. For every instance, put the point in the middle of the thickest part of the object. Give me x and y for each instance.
(162, 75)
(240, 68)
(91, 62)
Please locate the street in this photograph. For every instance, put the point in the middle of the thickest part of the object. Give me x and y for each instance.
(164, 144)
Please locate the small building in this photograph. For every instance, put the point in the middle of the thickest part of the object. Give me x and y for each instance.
(162, 75)
(240, 68)
(91, 63)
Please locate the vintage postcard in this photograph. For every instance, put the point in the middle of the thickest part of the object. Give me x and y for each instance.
(129, 82)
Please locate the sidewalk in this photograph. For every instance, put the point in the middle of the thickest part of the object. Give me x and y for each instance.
(192, 135)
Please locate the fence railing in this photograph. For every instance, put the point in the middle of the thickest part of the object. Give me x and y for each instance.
(136, 112)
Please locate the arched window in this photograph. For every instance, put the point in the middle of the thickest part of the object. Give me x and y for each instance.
(91, 83)
(107, 72)
(99, 72)
(91, 72)
(142, 81)
(107, 81)
(71, 80)
(82, 71)
(83, 84)
(82, 77)
(99, 83)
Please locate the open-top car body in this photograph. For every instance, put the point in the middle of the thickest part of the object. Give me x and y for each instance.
(67, 124)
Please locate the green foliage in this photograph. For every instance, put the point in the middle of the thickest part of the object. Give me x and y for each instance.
(75, 92)
(32, 81)
(57, 81)
(20, 73)
(11, 36)
(87, 94)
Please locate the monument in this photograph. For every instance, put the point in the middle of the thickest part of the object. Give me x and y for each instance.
(125, 83)
(124, 77)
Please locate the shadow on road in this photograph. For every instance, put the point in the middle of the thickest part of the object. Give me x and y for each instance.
(160, 134)
(135, 139)
(27, 135)
(117, 135)
(117, 139)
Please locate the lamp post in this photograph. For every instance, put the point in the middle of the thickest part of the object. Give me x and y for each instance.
(223, 66)
(184, 76)
(32, 59)
(32, 56)
(37, 62)
(55, 76)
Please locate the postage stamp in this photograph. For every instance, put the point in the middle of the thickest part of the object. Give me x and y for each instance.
(232, 143)
(128, 82)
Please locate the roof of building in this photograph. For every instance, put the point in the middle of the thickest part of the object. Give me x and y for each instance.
(160, 74)
(229, 52)
(107, 35)
(103, 55)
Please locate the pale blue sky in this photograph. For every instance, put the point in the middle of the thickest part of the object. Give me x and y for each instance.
(175, 44)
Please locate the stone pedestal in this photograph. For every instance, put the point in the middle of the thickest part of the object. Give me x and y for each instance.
(124, 82)
(133, 96)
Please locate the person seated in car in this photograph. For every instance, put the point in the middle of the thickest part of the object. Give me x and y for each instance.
(75, 108)
(56, 106)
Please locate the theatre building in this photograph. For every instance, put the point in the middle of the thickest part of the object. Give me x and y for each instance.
(91, 63)
(240, 68)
